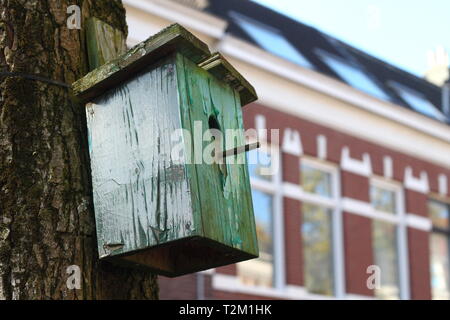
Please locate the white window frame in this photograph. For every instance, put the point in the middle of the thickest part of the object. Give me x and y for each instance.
(445, 201)
(333, 203)
(273, 188)
(398, 218)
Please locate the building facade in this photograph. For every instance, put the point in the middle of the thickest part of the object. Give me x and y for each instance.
(351, 188)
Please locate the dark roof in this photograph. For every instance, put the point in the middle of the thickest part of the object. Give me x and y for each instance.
(309, 41)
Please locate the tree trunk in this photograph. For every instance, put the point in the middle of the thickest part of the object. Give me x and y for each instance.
(46, 212)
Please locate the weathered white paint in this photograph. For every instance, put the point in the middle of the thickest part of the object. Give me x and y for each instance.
(130, 164)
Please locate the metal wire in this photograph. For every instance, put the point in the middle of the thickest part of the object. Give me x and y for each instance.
(34, 77)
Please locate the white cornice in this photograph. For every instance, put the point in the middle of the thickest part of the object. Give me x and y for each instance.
(188, 17)
(313, 96)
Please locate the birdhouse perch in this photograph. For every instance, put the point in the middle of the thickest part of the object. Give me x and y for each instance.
(152, 210)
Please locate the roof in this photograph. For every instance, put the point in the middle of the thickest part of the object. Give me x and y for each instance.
(311, 48)
(172, 39)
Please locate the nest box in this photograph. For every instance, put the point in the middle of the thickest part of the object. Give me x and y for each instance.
(152, 210)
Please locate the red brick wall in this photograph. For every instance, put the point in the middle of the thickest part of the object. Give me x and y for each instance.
(180, 288)
(229, 269)
(358, 253)
(416, 202)
(336, 140)
(419, 266)
(291, 168)
(355, 186)
(293, 242)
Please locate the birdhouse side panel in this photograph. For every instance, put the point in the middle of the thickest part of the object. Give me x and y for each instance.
(141, 196)
(224, 189)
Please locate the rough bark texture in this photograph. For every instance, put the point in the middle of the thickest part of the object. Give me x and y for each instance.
(46, 212)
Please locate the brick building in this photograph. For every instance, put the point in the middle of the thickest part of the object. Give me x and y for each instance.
(360, 184)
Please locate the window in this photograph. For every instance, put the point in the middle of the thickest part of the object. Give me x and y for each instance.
(318, 221)
(353, 76)
(318, 253)
(316, 181)
(384, 236)
(417, 101)
(270, 39)
(386, 239)
(383, 199)
(439, 250)
(261, 271)
(259, 165)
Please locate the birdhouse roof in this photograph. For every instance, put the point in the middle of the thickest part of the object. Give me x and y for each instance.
(174, 38)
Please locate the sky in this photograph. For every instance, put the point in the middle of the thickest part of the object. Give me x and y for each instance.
(400, 32)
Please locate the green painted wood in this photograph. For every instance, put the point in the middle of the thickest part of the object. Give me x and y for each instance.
(152, 209)
(141, 197)
(226, 205)
(104, 43)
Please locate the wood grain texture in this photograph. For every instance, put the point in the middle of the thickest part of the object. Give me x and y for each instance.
(153, 210)
(225, 198)
(46, 213)
(218, 66)
(104, 43)
(141, 197)
(174, 38)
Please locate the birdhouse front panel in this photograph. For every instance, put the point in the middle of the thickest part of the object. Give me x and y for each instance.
(224, 197)
(141, 197)
(152, 116)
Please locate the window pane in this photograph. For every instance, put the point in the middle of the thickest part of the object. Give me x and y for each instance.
(259, 272)
(382, 199)
(417, 101)
(318, 251)
(354, 77)
(385, 255)
(316, 181)
(270, 39)
(438, 213)
(440, 266)
(259, 165)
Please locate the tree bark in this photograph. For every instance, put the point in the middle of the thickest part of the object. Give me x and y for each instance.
(46, 211)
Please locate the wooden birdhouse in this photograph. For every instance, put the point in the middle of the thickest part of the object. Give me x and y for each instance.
(155, 206)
